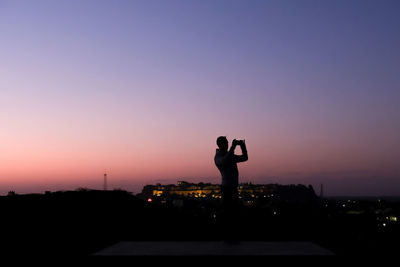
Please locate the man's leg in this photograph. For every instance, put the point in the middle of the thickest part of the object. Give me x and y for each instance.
(234, 215)
(228, 215)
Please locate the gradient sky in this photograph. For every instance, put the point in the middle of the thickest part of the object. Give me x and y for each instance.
(142, 89)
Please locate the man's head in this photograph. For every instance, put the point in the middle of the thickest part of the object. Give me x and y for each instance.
(222, 143)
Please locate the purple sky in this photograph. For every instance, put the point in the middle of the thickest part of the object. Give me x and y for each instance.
(143, 88)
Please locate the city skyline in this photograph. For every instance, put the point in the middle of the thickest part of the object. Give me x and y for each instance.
(142, 89)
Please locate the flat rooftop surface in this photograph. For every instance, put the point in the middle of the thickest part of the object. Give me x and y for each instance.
(211, 248)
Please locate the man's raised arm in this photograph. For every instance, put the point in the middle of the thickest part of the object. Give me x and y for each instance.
(243, 157)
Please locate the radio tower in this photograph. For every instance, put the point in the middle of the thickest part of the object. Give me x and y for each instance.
(105, 180)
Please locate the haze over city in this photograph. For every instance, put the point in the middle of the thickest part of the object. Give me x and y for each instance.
(142, 89)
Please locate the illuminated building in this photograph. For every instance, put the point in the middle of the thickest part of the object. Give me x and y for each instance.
(248, 192)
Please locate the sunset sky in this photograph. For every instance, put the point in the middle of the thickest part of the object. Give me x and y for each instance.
(142, 89)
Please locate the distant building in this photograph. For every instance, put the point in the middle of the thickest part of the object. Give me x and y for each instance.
(247, 191)
(11, 193)
(182, 189)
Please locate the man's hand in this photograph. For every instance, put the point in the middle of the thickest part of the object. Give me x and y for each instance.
(235, 142)
(239, 142)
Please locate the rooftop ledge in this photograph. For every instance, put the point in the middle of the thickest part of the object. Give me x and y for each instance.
(213, 248)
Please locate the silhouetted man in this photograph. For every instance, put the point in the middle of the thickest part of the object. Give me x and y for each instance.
(226, 162)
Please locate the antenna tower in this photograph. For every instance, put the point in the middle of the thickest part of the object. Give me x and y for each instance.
(105, 180)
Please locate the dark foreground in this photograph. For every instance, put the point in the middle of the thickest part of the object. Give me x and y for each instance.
(86, 222)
